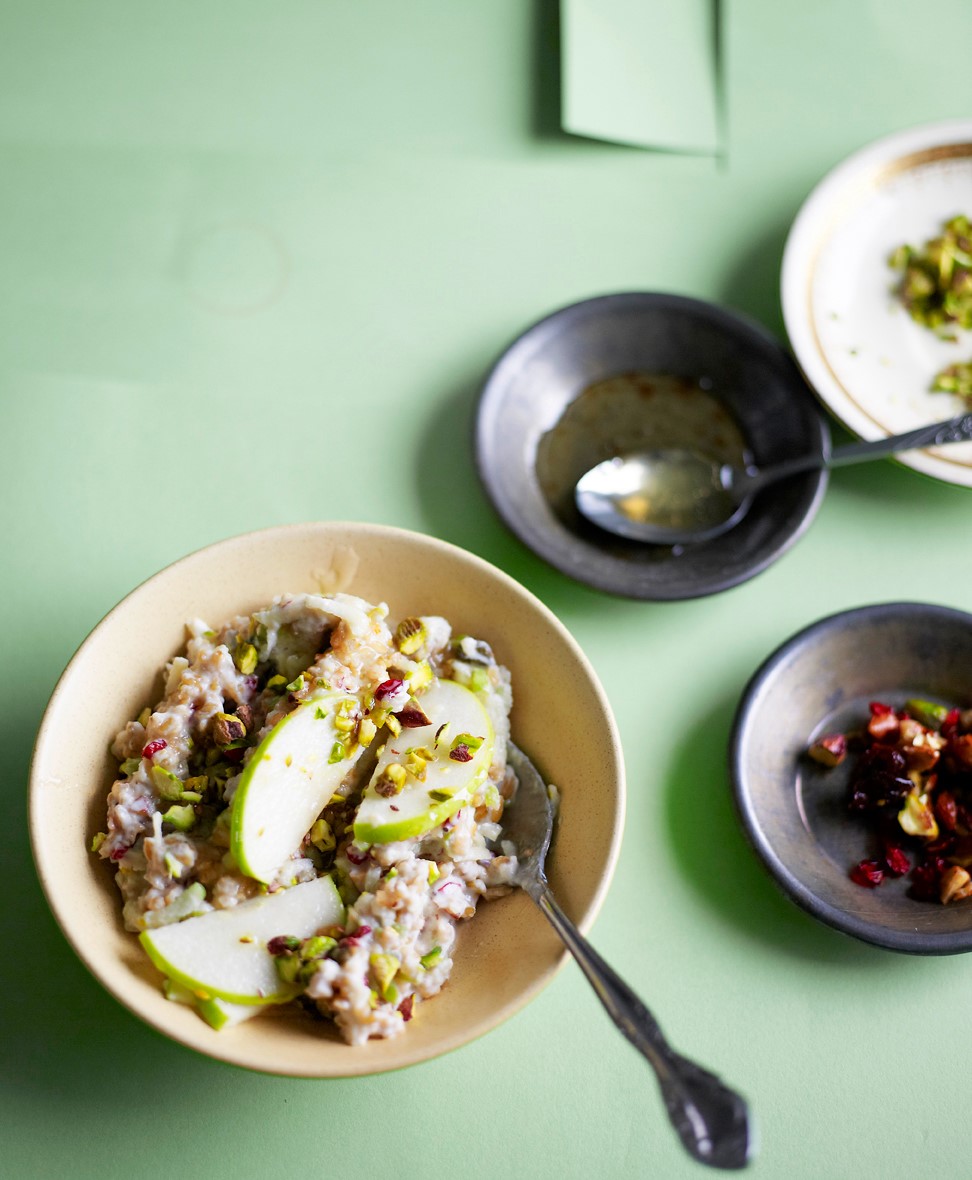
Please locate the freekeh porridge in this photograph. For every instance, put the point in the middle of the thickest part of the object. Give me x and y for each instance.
(310, 810)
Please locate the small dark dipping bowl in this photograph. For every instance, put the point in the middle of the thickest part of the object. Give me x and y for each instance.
(694, 350)
(795, 811)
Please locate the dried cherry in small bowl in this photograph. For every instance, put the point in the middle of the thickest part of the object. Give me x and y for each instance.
(827, 834)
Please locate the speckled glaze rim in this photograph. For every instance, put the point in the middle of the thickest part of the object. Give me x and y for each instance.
(836, 917)
(612, 577)
(397, 1053)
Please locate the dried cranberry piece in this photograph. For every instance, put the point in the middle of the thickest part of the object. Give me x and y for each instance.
(355, 855)
(951, 723)
(150, 749)
(896, 862)
(868, 873)
(118, 853)
(879, 780)
(282, 944)
(925, 879)
(879, 708)
(352, 938)
(388, 688)
(405, 1007)
(461, 753)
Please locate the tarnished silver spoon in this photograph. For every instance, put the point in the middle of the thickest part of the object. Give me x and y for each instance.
(712, 1121)
(677, 496)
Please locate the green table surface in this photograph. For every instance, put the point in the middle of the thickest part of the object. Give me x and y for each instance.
(256, 260)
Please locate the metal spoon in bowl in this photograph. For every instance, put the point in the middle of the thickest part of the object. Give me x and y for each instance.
(676, 496)
(711, 1120)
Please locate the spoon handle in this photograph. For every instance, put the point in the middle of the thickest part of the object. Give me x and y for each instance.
(711, 1119)
(952, 430)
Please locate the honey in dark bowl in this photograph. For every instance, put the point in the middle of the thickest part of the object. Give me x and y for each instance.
(625, 414)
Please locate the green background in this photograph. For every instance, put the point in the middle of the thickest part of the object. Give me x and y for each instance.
(256, 259)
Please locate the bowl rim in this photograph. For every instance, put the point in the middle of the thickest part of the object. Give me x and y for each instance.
(590, 573)
(408, 1055)
(919, 943)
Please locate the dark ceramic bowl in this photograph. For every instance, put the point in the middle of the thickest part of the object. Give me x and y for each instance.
(552, 364)
(794, 811)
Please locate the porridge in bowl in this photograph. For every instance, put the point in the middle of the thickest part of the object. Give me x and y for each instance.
(310, 810)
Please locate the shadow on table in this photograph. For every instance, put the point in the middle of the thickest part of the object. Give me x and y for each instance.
(751, 283)
(716, 859)
(545, 71)
(61, 1035)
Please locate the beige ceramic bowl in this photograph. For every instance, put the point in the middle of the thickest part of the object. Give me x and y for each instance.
(507, 953)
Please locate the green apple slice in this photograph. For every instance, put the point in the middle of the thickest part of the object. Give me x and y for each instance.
(217, 1013)
(220, 1014)
(223, 954)
(287, 783)
(447, 785)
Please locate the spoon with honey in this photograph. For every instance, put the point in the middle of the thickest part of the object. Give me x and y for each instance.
(678, 495)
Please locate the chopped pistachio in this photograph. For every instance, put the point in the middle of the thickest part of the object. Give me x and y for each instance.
(441, 734)
(296, 684)
(322, 837)
(319, 714)
(343, 723)
(916, 817)
(130, 765)
(430, 959)
(478, 680)
(227, 729)
(318, 946)
(955, 379)
(410, 635)
(98, 840)
(420, 677)
(288, 967)
(307, 970)
(417, 760)
(277, 683)
(168, 785)
(384, 968)
(440, 796)
(144, 716)
(339, 752)
(927, 712)
(391, 780)
(367, 731)
(394, 725)
(245, 657)
(180, 817)
(434, 873)
(247, 938)
(936, 281)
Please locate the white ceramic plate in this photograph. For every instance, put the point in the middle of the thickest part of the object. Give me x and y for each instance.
(869, 362)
